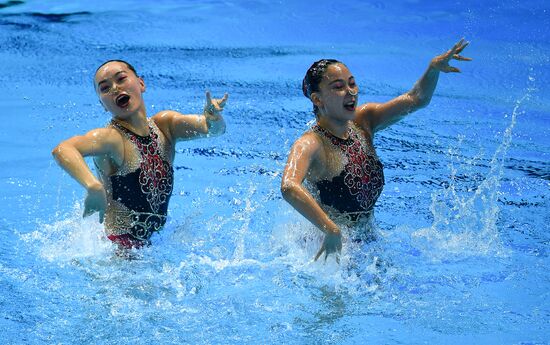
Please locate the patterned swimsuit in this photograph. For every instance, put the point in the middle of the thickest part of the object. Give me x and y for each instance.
(360, 183)
(139, 198)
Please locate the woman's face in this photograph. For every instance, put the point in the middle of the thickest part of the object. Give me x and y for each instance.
(119, 89)
(337, 95)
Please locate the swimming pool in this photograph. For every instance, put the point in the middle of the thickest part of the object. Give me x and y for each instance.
(462, 224)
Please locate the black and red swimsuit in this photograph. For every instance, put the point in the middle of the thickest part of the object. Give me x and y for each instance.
(361, 181)
(140, 197)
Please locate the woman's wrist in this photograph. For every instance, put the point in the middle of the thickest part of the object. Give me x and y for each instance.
(435, 66)
(94, 186)
(331, 229)
(210, 110)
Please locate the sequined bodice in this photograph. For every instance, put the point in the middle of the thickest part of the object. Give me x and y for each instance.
(361, 181)
(140, 197)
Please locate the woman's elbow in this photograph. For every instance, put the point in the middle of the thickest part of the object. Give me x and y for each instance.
(422, 101)
(61, 151)
(417, 100)
(288, 189)
(56, 152)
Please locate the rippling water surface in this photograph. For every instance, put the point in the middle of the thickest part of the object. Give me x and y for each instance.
(462, 225)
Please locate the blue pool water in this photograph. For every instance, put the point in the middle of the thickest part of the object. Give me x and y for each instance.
(462, 224)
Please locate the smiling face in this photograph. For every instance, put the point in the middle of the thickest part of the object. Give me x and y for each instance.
(337, 95)
(119, 89)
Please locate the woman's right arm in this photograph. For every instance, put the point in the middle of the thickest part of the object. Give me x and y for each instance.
(70, 154)
(303, 153)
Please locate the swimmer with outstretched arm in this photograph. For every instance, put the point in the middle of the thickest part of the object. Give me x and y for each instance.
(133, 155)
(337, 156)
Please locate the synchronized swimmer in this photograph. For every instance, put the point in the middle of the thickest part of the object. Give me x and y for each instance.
(337, 156)
(134, 154)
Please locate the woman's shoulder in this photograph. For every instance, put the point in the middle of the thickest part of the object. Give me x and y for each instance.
(311, 145)
(310, 138)
(107, 134)
(163, 119)
(362, 131)
(164, 116)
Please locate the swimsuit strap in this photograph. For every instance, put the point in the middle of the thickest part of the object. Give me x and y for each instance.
(131, 133)
(146, 145)
(333, 138)
(350, 146)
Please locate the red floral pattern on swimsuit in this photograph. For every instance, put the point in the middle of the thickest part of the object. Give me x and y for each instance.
(155, 176)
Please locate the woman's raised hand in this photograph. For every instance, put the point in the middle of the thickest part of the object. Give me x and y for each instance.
(214, 106)
(441, 62)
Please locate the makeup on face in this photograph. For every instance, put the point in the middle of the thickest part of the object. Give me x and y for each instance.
(341, 84)
(116, 86)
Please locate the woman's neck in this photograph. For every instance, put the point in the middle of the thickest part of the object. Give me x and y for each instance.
(137, 123)
(337, 128)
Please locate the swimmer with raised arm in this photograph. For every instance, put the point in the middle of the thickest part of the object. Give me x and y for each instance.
(133, 155)
(337, 157)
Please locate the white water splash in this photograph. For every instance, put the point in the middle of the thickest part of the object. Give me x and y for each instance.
(466, 225)
(245, 216)
(70, 238)
(296, 243)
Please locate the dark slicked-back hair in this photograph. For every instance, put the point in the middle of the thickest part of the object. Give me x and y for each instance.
(124, 62)
(314, 76)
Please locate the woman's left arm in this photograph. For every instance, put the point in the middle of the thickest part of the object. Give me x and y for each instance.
(377, 116)
(185, 127)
